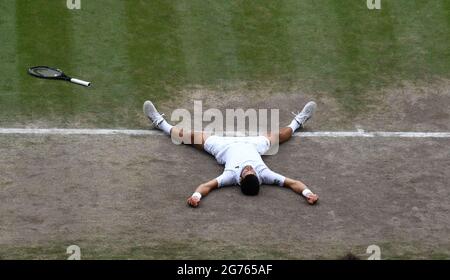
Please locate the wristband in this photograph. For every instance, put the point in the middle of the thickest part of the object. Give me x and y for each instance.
(306, 192)
(197, 195)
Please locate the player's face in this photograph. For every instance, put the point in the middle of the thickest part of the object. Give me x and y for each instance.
(247, 170)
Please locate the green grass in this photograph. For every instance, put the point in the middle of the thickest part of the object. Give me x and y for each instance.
(138, 50)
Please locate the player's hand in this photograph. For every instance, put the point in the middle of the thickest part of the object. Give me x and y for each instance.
(193, 201)
(312, 198)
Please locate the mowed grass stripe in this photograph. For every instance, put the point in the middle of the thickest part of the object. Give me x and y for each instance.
(446, 11)
(8, 74)
(264, 47)
(156, 59)
(423, 30)
(100, 41)
(43, 38)
(365, 49)
(208, 41)
(311, 27)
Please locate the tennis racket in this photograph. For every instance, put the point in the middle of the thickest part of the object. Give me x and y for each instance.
(45, 72)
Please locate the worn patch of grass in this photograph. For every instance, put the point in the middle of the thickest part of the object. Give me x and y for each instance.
(196, 249)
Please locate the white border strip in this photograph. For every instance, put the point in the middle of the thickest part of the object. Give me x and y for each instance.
(64, 131)
(332, 134)
(376, 134)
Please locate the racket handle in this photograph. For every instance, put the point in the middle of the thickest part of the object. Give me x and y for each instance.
(80, 82)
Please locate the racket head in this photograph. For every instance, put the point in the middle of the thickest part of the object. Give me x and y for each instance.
(45, 72)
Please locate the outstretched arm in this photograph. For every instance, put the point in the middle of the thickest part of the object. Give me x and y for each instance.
(300, 188)
(272, 178)
(201, 191)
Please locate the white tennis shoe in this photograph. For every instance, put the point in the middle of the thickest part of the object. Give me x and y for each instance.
(152, 114)
(306, 113)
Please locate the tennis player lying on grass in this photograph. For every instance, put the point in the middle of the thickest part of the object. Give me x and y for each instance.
(240, 155)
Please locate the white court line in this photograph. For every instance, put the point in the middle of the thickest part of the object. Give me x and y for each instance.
(68, 131)
(374, 134)
(332, 134)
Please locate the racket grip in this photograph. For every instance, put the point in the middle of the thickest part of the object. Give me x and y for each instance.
(80, 82)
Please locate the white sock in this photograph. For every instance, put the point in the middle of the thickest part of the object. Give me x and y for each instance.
(294, 125)
(165, 126)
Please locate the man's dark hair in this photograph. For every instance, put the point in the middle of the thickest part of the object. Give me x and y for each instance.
(250, 185)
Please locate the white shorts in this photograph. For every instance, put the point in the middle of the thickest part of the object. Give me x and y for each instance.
(215, 144)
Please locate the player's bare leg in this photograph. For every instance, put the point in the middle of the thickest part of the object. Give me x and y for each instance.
(196, 139)
(285, 133)
(179, 135)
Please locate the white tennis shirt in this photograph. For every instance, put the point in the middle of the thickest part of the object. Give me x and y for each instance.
(236, 153)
